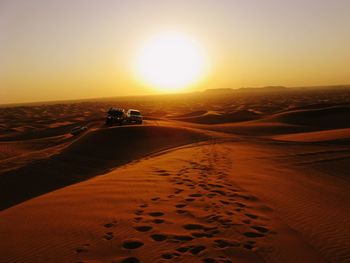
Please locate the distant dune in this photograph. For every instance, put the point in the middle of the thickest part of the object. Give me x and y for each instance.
(290, 122)
(263, 89)
(320, 105)
(334, 135)
(212, 117)
(327, 118)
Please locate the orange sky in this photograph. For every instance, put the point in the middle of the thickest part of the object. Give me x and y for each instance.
(55, 50)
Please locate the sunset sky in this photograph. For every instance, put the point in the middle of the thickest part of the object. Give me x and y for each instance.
(71, 49)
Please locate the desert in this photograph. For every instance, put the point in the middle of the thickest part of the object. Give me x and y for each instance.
(212, 176)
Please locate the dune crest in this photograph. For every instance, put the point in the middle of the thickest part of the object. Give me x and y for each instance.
(92, 154)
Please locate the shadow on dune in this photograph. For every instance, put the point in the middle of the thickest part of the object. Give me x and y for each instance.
(93, 154)
(323, 118)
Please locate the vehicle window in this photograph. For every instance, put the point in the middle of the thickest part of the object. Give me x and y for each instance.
(134, 112)
(116, 113)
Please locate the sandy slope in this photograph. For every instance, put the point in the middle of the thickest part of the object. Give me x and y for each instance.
(93, 154)
(206, 203)
(212, 117)
(293, 121)
(336, 135)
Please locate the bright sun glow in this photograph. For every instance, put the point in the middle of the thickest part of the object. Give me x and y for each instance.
(170, 62)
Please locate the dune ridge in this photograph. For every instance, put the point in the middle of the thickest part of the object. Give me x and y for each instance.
(91, 155)
(334, 135)
(212, 117)
(327, 118)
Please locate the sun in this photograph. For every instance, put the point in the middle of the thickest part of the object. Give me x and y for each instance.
(170, 62)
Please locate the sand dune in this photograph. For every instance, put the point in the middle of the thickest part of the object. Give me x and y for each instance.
(189, 205)
(321, 105)
(234, 177)
(310, 199)
(293, 122)
(329, 117)
(128, 142)
(191, 114)
(92, 154)
(258, 128)
(336, 135)
(212, 117)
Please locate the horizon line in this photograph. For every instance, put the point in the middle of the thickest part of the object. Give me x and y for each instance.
(42, 102)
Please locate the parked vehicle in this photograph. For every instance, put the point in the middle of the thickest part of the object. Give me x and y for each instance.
(134, 116)
(116, 116)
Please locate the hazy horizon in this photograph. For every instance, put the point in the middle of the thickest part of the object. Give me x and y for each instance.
(61, 50)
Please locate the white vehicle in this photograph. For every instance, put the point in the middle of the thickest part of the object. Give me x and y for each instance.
(134, 116)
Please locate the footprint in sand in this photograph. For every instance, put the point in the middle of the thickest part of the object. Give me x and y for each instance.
(131, 260)
(216, 185)
(220, 192)
(193, 227)
(163, 173)
(139, 212)
(180, 205)
(109, 225)
(249, 245)
(183, 238)
(253, 234)
(195, 195)
(201, 234)
(260, 229)
(108, 236)
(169, 256)
(82, 248)
(143, 228)
(178, 191)
(138, 219)
(223, 243)
(132, 244)
(197, 249)
(252, 216)
(183, 249)
(158, 221)
(156, 214)
(239, 204)
(159, 237)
